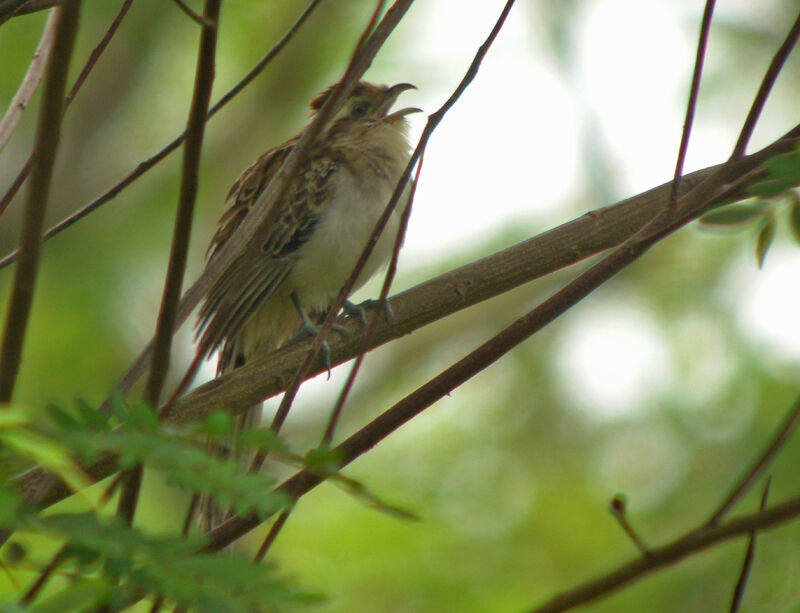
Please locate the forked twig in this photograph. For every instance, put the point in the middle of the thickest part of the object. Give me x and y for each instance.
(747, 563)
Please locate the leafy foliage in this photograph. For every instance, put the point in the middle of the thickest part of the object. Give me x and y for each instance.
(105, 562)
(774, 194)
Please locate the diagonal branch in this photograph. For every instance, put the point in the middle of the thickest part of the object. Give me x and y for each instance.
(775, 66)
(432, 300)
(777, 441)
(719, 184)
(47, 136)
(693, 542)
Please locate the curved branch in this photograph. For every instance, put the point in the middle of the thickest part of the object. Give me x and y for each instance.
(29, 82)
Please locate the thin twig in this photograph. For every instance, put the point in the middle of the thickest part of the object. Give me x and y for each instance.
(336, 412)
(775, 66)
(274, 530)
(692, 103)
(339, 92)
(747, 563)
(745, 482)
(194, 16)
(29, 82)
(204, 80)
(190, 512)
(43, 577)
(288, 398)
(93, 57)
(433, 122)
(47, 136)
(693, 542)
(618, 509)
(150, 162)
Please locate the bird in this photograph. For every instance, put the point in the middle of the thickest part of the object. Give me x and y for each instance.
(320, 228)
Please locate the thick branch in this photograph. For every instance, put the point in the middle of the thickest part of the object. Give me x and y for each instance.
(569, 243)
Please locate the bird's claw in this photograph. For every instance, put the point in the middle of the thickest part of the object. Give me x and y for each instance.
(371, 302)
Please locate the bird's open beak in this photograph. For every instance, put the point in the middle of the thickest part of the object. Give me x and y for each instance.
(391, 95)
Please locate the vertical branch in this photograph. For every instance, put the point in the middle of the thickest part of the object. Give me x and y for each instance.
(47, 137)
(173, 284)
(692, 104)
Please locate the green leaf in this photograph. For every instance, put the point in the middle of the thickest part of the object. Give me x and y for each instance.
(90, 416)
(764, 241)
(79, 596)
(360, 492)
(262, 439)
(785, 166)
(9, 503)
(768, 188)
(186, 464)
(733, 215)
(218, 424)
(323, 460)
(172, 567)
(794, 216)
(143, 417)
(47, 452)
(61, 418)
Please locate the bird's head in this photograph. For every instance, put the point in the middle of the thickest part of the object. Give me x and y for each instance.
(368, 102)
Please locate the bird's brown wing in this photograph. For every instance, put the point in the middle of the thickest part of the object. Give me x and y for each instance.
(255, 275)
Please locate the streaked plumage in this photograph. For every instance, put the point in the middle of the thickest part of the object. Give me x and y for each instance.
(320, 230)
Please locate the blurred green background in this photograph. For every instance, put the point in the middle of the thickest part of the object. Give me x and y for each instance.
(662, 385)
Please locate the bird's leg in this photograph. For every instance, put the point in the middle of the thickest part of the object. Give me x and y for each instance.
(310, 328)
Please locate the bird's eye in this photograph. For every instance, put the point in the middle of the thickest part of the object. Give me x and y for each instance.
(359, 109)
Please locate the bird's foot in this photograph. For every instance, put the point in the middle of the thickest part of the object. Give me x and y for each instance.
(355, 310)
(360, 309)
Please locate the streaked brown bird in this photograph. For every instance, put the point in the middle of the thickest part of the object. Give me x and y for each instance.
(320, 229)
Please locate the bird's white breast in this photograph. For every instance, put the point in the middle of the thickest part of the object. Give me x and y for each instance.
(328, 257)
